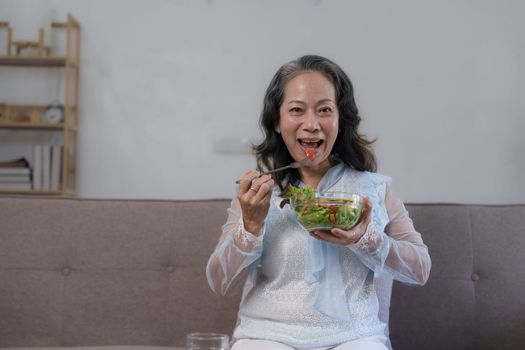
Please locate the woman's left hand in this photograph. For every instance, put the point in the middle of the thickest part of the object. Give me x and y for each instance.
(338, 236)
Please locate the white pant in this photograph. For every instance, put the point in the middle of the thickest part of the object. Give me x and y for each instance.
(369, 343)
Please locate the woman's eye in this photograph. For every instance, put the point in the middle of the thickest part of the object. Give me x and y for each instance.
(325, 110)
(295, 110)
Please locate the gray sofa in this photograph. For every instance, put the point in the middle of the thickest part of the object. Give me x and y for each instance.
(84, 272)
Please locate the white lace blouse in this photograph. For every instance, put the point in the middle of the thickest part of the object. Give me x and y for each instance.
(278, 304)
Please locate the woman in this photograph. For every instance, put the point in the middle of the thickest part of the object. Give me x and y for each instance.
(313, 290)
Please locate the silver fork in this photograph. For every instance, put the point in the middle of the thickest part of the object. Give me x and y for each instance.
(295, 165)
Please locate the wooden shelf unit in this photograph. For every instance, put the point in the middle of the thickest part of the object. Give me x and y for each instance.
(70, 64)
(33, 126)
(21, 61)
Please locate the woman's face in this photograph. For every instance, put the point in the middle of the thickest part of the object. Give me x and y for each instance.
(309, 117)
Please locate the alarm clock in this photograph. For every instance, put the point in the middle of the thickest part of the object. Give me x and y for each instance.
(54, 114)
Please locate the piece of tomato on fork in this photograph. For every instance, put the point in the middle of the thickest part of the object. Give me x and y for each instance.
(310, 153)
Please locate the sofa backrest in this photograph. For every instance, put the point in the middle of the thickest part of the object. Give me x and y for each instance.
(475, 297)
(131, 272)
(108, 272)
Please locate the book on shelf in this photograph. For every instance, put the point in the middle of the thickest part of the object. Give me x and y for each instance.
(46, 167)
(15, 171)
(14, 178)
(15, 163)
(37, 167)
(47, 162)
(15, 185)
(15, 175)
(56, 165)
(15, 167)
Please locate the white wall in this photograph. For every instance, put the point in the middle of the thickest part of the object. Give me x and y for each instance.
(439, 83)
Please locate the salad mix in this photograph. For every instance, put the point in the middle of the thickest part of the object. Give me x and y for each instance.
(322, 211)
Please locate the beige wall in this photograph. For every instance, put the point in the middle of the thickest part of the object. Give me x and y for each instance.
(439, 84)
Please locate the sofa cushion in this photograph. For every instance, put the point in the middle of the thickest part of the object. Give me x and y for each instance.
(474, 297)
(108, 272)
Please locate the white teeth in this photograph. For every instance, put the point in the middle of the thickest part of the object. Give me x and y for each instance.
(310, 143)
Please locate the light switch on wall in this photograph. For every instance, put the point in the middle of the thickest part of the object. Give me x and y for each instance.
(234, 145)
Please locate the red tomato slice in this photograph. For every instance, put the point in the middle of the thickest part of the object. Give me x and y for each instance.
(310, 153)
(333, 208)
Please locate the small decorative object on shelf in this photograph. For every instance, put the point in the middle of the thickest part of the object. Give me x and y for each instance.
(37, 48)
(23, 114)
(3, 115)
(42, 50)
(54, 126)
(54, 114)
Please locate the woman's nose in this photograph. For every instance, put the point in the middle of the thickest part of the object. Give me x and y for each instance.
(311, 122)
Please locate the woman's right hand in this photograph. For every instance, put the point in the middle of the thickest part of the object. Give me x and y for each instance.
(254, 196)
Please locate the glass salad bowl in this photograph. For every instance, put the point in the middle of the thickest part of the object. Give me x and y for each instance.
(325, 210)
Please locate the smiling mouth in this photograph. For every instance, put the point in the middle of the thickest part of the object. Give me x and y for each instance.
(310, 144)
(310, 147)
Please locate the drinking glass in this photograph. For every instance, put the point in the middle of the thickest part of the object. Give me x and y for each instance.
(207, 341)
